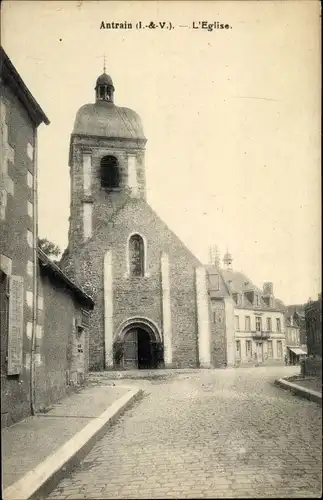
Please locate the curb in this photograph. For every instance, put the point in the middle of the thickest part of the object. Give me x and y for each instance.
(144, 375)
(41, 480)
(300, 391)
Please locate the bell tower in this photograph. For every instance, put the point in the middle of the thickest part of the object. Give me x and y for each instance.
(227, 261)
(107, 162)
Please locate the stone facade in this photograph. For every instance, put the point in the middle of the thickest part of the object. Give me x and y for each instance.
(85, 180)
(138, 297)
(218, 328)
(221, 319)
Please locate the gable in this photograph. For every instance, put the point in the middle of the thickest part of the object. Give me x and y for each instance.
(136, 216)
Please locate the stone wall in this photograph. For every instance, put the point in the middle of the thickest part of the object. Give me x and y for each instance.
(218, 333)
(60, 367)
(312, 367)
(104, 202)
(16, 252)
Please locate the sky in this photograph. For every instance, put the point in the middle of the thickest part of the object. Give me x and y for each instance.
(232, 119)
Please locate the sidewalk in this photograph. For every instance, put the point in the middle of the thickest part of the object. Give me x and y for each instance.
(306, 387)
(38, 451)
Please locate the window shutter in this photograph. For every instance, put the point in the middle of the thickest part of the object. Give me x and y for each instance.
(15, 326)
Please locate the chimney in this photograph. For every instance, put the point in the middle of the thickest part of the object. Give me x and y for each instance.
(291, 321)
(268, 288)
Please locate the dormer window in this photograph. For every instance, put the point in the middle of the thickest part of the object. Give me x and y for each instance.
(109, 172)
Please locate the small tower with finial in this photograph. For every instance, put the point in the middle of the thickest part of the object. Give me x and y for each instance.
(227, 261)
(104, 88)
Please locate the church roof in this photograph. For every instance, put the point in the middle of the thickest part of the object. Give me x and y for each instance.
(238, 283)
(104, 119)
(104, 79)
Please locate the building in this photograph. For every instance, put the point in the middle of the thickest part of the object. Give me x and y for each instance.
(297, 311)
(35, 330)
(20, 117)
(313, 319)
(150, 291)
(294, 351)
(62, 334)
(258, 319)
(221, 319)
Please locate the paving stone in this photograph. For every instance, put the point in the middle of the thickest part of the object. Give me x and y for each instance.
(242, 437)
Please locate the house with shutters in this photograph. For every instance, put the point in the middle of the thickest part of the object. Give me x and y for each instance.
(43, 315)
(255, 332)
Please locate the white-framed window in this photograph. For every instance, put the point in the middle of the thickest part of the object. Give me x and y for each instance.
(278, 325)
(237, 323)
(268, 324)
(247, 324)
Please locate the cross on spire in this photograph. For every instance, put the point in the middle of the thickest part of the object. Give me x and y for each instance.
(104, 66)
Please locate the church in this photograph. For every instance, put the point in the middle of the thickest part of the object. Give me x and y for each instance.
(150, 292)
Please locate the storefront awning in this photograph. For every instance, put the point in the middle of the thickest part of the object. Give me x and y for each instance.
(297, 351)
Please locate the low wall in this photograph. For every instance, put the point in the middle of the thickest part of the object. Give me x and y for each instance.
(312, 367)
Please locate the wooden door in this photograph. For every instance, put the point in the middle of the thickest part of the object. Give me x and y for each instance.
(130, 357)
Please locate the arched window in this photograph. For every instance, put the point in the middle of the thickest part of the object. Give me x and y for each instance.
(110, 177)
(136, 256)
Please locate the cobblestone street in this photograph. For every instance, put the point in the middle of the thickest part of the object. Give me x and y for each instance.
(222, 433)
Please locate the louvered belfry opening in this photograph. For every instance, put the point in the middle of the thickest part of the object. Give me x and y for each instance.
(109, 172)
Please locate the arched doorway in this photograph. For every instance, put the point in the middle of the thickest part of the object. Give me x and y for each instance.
(142, 346)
